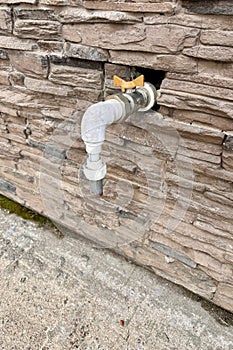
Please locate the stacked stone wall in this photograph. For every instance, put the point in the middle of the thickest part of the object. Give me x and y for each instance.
(57, 58)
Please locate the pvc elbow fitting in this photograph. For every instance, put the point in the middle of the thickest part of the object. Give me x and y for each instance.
(93, 127)
(95, 120)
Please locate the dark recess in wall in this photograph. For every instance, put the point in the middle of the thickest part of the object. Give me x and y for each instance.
(152, 76)
(209, 7)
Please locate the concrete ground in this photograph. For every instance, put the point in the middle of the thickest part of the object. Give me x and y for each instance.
(68, 294)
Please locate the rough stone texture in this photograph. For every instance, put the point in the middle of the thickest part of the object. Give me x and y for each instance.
(208, 7)
(168, 199)
(136, 6)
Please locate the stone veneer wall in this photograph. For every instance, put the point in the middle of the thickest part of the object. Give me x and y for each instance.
(57, 57)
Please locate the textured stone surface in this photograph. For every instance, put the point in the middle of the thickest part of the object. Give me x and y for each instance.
(218, 7)
(29, 63)
(169, 168)
(77, 15)
(137, 6)
(86, 52)
(5, 20)
(210, 37)
(171, 63)
(132, 37)
(211, 53)
(14, 43)
(37, 29)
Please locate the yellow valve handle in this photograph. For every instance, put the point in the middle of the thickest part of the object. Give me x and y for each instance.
(139, 81)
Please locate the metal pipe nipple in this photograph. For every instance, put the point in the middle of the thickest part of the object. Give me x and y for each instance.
(96, 187)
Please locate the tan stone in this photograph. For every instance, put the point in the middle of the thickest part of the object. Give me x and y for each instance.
(222, 228)
(11, 152)
(17, 1)
(29, 63)
(18, 178)
(11, 98)
(188, 101)
(5, 20)
(76, 76)
(221, 70)
(212, 53)
(222, 273)
(193, 238)
(8, 110)
(69, 32)
(219, 198)
(62, 2)
(196, 280)
(220, 38)
(169, 38)
(159, 39)
(78, 15)
(203, 119)
(195, 154)
(205, 79)
(165, 7)
(223, 296)
(212, 205)
(199, 89)
(15, 130)
(220, 23)
(31, 198)
(37, 29)
(169, 63)
(199, 133)
(227, 160)
(13, 43)
(211, 266)
(4, 77)
(52, 47)
(76, 154)
(202, 146)
(47, 87)
(105, 35)
(33, 104)
(221, 173)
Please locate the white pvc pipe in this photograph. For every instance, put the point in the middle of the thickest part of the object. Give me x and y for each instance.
(95, 120)
(93, 127)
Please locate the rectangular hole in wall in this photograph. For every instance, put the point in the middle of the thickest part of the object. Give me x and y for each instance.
(152, 76)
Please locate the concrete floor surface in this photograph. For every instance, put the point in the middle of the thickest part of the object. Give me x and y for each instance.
(67, 294)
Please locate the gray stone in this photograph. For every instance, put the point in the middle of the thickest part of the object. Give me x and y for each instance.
(209, 7)
(6, 186)
(228, 143)
(49, 150)
(86, 52)
(172, 253)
